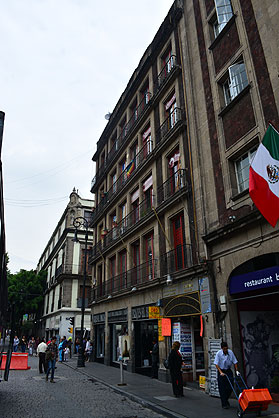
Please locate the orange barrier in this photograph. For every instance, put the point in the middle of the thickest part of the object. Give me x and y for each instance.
(19, 361)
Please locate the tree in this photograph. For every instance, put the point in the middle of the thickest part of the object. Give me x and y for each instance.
(26, 292)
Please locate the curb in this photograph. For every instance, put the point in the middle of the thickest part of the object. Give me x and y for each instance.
(151, 405)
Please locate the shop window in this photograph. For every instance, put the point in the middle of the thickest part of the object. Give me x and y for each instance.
(149, 257)
(223, 14)
(100, 343)
(146, 141)
(242, 166)
(179, 260)
(120, 342)
(236, 81)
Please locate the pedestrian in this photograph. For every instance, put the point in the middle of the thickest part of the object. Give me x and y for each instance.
(175, 364)
(31, 346)
(41, 350)
(23, 344)
(77, 344)
(70, 343)
(16, 343)
(87, 349)
(224, 360)
(154, 359)
(66, 354)
(60, 350)
(64, 345)
(51, 357)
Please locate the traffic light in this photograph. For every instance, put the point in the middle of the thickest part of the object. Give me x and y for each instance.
(70, 330)
(72, 320)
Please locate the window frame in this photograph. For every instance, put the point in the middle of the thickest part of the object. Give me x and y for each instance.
(250, 154)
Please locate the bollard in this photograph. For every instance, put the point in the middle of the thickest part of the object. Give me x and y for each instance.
(121, 373)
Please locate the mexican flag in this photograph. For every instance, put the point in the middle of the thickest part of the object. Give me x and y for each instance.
(264, 176)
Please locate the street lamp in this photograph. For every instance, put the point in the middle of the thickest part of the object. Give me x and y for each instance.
(77, 223)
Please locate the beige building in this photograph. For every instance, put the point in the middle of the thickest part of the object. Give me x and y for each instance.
(176, 233)
(63, 259)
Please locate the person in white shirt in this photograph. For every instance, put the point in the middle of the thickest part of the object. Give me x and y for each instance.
(41, 350)
(224, 360)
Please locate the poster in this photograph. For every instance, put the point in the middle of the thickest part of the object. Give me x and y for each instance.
(260, 337)
(182, 332)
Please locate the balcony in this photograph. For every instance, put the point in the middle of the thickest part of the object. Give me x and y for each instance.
(79, 302)
(175, 184)
(128, 280)
(165, 74)
(169, 125)
(120, 228)
(116, 188)
(126, 130)
(176, 260)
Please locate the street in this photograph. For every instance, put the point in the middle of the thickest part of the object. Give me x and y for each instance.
(74, 395)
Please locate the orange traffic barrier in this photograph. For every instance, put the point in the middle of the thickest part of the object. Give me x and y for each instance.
(19, 361)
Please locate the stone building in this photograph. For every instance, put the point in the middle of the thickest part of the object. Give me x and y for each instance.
(63, 259)
(176, 232)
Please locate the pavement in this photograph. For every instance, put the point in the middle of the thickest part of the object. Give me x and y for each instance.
(158, 396)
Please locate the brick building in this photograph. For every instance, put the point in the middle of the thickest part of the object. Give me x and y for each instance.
(63, 259)
(176, 232)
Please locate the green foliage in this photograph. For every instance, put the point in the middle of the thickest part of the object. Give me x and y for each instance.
(25, 291)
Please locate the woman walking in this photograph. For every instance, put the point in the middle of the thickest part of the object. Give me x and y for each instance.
(175, 364)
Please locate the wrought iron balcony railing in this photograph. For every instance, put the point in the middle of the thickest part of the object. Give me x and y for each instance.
(173, 185)
(175, 260)
(128, 280)
(121, 138)
(165, 73)
(123, 226)
(139, 159)
(169, 124)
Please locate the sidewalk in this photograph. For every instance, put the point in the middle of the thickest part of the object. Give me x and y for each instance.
(158, 395)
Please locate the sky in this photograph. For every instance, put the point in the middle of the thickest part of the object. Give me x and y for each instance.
(63, 66)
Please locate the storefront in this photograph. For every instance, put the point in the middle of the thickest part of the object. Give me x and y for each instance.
(120, 339)
(99, 336)
(255, 297)
(145, 330)
(185, 306)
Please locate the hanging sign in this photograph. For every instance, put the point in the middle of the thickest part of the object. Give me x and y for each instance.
(166, 327)
(154, 312)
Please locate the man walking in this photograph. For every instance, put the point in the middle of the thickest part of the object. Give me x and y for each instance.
(41, 350)
(51, 357)
(224, 360)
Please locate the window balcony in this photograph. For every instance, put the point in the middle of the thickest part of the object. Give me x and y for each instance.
(169, 125)
(175, 184)
(128, 280)
(122, 227)
(166, 73)
(117, 187)
(176, 260)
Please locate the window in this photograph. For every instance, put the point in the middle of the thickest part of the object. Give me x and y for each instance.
(123, 269)
(136, 263)
(167, 61)
(145, 94)
(236, 81)
(171, 112)
(147, 188)
(242, 166)
(174, 166)
(223, 15)
(112, 272)
(146, 141)
(134, 111)
(149, 257)
(178, 242)
(113, 181)
(123, 213)
(135, 206)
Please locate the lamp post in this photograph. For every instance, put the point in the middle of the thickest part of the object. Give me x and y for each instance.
(77, 223)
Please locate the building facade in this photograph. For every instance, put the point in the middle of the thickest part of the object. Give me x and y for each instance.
(176, 232)
(63, 259)
(3, 272)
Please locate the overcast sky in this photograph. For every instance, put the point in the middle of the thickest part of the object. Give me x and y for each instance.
(63, 66)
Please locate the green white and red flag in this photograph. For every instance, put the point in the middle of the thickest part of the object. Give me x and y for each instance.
(264, 176)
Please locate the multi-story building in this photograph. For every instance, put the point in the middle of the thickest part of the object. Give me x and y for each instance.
(3, 272)
(176, 233)
(63, 259)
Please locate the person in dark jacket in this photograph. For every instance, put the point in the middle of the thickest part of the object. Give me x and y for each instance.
(175, 364)
(155, 359)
